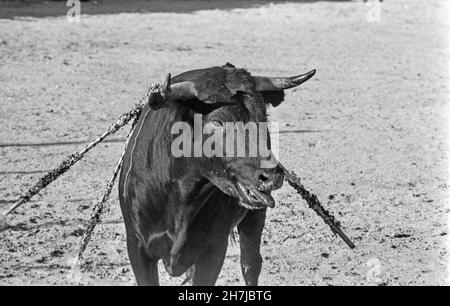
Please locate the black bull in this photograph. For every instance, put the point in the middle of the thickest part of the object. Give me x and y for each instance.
(183, 209)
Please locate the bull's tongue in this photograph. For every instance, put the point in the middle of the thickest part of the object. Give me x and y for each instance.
(261, 197)
(265, 198)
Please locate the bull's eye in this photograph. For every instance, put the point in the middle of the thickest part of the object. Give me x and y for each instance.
(263, 177)
(213, 125)
(217, 124)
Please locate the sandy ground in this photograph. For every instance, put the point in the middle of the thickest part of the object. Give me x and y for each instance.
(368, 134)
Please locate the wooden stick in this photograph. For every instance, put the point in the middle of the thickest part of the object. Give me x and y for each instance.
(75, 157)
(98, 208)
(315, 205)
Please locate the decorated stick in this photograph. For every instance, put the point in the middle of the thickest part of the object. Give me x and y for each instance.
(153, 94)
(98, 208)
(315, 205)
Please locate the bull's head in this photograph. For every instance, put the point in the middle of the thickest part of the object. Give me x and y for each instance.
(224, 96)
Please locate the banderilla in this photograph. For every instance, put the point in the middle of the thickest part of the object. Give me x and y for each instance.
(314, 204)
(72, 159)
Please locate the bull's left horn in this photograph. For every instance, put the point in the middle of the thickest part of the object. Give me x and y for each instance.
(159, 95)
(281, 83)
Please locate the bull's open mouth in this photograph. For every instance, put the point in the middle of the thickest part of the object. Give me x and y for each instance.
(253, 198)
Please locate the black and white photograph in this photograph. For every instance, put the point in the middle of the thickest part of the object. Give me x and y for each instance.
(224, 143)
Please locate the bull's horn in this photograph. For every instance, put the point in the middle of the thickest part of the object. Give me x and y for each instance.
(281, 83)
(166, 86)
(159, 95)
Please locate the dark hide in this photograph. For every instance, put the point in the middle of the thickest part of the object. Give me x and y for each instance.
(172, 208)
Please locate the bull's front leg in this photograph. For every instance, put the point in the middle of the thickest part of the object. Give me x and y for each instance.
(182, 220)
(210, 262)
(250, 231)
(185, 213)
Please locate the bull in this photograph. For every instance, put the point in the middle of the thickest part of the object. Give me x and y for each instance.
(183, 209)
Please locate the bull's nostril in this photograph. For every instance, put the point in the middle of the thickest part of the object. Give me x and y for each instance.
(263, 177)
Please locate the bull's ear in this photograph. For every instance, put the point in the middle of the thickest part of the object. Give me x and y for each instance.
(159, 95)
(273, 97)
(228, 65)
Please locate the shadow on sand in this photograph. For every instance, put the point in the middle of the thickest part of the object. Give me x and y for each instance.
(22, 226)
(40, 8)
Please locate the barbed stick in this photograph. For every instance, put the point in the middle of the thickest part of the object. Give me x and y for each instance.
(314, 204)
(98, 208)
(75, 157)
